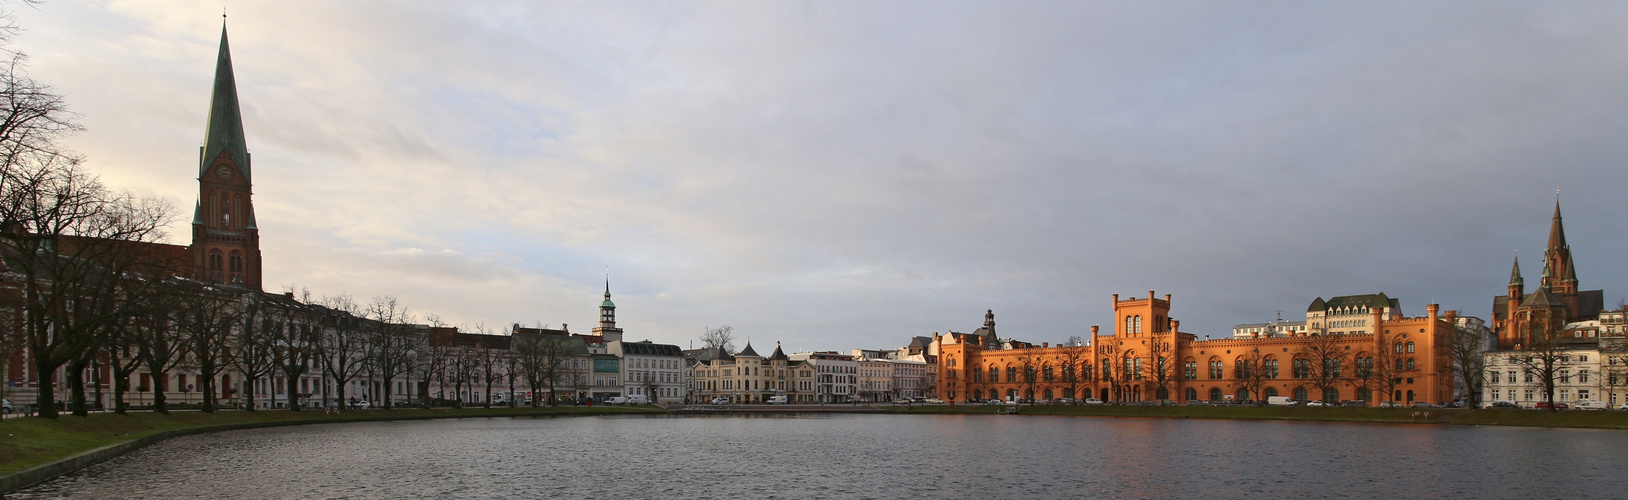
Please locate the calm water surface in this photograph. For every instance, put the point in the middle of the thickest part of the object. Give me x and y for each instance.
(863, 456)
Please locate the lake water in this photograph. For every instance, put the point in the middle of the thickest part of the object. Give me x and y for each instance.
(863, 456)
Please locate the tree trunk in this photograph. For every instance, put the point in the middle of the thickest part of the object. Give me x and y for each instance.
(75, 383)
(45, 397)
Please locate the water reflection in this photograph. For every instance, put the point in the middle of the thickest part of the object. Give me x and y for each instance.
(861, 456)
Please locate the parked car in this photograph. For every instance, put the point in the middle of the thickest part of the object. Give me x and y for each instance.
(933, 401)
(1503, 404)
(618, 400)
(1093, 401)
(640, 399)
(1354, 402)
(5, 406)
(362, 405)
(1280, 401)
(1423, 404)
(1624, 406)
(1390, 404)
(720, 400)
(1315, 403)
(777, 400)
(1544, 405)
(1591, 404)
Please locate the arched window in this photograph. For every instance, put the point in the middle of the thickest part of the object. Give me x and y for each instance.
(1243, 395)
(1011, 374)
(1410, 346)
(1192, 394)
(1271, 367)
(1410, 396)
(1129, 322)
(1048, 394)
(1215, 394)
(1365, 395)
(1410, 363)
(215, 266)
(1270, 392)
(1138, 323)
(236, 268)
(1400, 365)
(993, 394)
(1299, 394)
(1398, 347)
(1046, 375)
(994, 374)
(1331, 395)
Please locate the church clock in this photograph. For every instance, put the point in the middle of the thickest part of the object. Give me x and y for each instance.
(224, 172)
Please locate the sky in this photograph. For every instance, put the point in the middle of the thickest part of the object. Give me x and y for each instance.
(835, 175)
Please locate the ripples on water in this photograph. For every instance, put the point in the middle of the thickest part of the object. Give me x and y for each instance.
(862, 456)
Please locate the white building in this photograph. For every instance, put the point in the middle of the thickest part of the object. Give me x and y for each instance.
(836, 376)
(652, 370)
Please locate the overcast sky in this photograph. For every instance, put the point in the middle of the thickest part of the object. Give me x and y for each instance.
(837, 175)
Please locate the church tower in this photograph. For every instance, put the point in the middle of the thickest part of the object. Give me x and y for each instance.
(225, 240)
(607, 317)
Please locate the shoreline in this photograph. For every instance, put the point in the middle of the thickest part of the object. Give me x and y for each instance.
(79, 442)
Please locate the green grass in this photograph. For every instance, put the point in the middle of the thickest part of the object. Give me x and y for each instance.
(27, 442)
(1565, 418)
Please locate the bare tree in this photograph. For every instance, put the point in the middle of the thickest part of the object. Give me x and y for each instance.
(1161, 371)
(1029, 362)
(1465, 347)
(394, 343)
(1545, 353)
(1252, 373)
(1114, 368)
(208, 315)
(341, 349)
(253, 350)
(1325, 356)
(722, 338)
(543, 359)
(297, 344)
(490, 361)
(1076, 360)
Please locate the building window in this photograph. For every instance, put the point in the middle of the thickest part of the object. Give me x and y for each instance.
(1190, 371)
(1410, 346)
(1215, 369)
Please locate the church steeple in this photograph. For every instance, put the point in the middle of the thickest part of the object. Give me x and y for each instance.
(225, 130)
(225, 237)
(1517, 285)
(1559, 274)
(607, 316)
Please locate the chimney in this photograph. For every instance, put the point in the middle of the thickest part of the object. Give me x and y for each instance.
(1167, 298)
(1150, 295)
(1045, 344)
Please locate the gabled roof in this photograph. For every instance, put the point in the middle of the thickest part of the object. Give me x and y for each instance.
(225, 131)
(1542, 298)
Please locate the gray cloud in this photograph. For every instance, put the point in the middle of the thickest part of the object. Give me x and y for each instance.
(838, 175)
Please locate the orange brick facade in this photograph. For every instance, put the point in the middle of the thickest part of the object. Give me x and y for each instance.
(1124, 364)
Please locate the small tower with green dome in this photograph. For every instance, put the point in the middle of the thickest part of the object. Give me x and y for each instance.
(607, 317)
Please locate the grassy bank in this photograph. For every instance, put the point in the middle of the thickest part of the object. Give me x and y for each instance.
(26, 442)
(1565, 418)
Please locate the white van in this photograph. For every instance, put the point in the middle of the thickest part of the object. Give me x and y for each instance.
(1279, 401)
(618, 400)
(638, 399)
(1591, 404)
(777, 400)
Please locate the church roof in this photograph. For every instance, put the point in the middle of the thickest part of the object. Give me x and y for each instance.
(1557, 231)
(1542, 298)
(225, 131)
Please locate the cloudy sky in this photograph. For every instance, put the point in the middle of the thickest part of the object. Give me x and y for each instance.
(835, 175)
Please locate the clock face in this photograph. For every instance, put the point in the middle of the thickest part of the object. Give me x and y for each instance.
(223, 172)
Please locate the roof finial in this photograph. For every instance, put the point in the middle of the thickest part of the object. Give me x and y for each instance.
(223, 12)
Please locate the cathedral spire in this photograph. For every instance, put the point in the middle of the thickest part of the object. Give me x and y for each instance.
(1557, 232)
(225, 131)
(1515, 274)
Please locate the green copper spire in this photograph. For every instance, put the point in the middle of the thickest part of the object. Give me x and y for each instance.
(225, 122)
